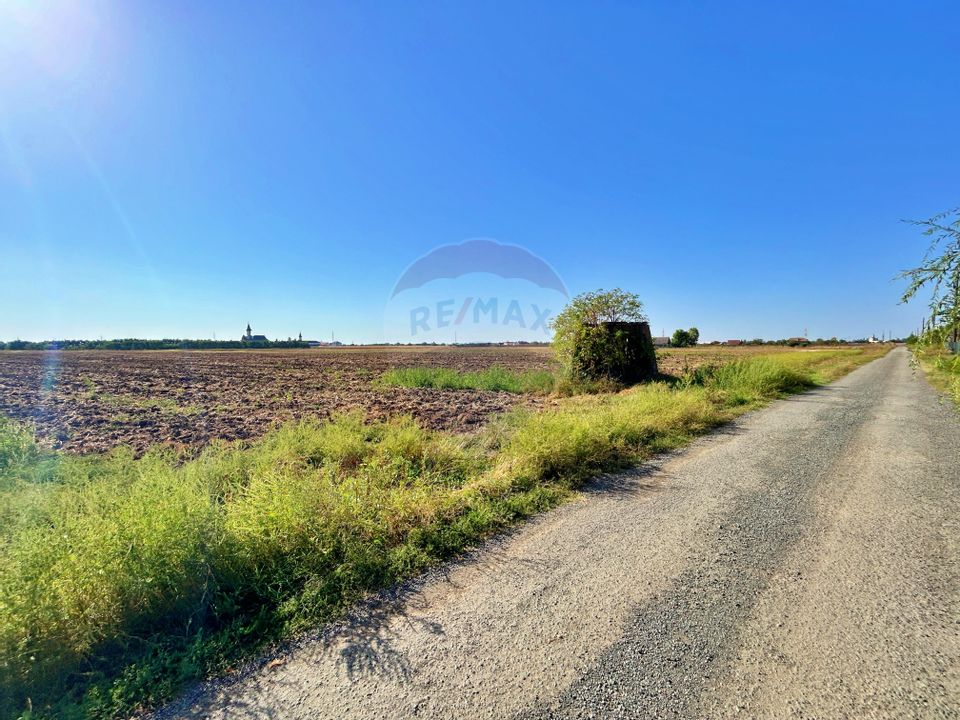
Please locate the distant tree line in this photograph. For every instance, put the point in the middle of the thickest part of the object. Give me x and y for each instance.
(689, 338)
(141, 344)
(793, 342)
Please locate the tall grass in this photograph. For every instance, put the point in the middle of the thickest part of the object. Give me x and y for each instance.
(121, 577)
(494, 378)
(942, 368)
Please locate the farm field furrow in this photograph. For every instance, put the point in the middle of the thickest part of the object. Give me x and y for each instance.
(90, 401)
(87, 401)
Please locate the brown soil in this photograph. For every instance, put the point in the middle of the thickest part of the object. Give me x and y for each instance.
(89, 401)
(92, 401)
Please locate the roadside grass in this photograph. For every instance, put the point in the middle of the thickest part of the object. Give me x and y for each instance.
(494, 378)
(941, 368)
(121, 578)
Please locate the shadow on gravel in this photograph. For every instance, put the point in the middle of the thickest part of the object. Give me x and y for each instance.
(365, 641)
(649, 476)
(813, 395)
(249, 704)
(367, 638)
(630, 481)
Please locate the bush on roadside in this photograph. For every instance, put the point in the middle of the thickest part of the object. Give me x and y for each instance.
(603, 336)
(745, 381)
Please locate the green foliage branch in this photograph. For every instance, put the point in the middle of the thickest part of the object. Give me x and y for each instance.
(940, 271)
(584, 347)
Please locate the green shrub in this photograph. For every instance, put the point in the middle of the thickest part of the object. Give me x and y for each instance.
(596, 433)
(604, 336)
(18, 448)
(942, 367)
(749, 380)
(613, 352)
(118, 557)
(114, 551)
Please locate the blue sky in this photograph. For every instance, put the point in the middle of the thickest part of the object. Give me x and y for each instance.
(176, 169)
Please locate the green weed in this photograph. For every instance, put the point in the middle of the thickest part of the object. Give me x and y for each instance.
(942, 369)
(494, 379)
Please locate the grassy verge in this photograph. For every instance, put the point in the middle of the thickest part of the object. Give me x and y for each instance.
(120, 578)
(942, 369)
(494, 378)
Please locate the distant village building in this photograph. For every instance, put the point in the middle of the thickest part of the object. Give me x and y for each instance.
(661, 341)
(323, 343)
(798, 341)
(250, 337)
(734, 343)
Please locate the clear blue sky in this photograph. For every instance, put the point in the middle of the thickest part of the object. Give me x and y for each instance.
(175, 169)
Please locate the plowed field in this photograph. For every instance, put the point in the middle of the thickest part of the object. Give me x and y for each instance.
(86, 401)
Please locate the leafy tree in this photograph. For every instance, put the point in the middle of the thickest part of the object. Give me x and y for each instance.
(681, 338)
(592, 308)
(585, 347)
(940, 270)
(685, 338)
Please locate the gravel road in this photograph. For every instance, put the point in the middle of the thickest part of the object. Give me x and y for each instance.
(802, 562)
